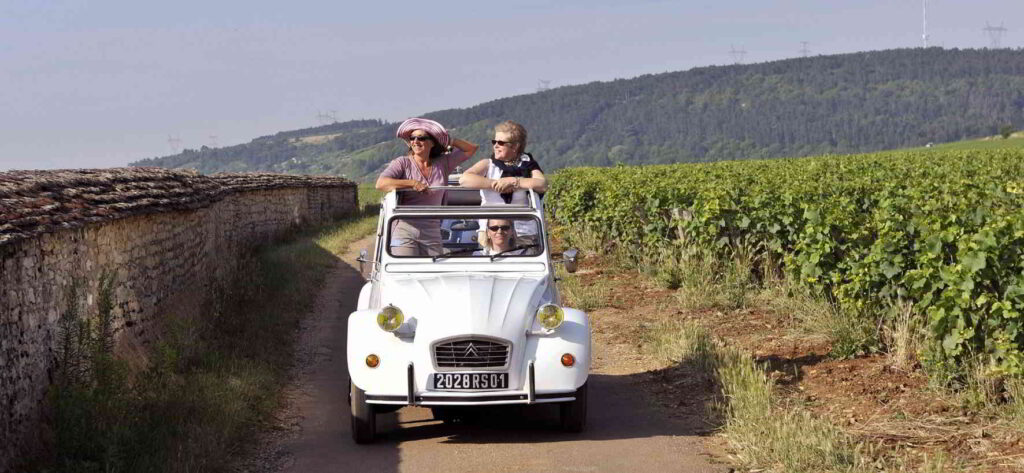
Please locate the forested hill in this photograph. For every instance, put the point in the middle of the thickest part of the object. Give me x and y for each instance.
(842, 103)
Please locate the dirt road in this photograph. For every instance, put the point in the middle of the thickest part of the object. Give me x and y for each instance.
(625, 431)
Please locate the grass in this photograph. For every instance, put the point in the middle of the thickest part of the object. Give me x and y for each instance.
(210, 381)
(585, 296)
(764, 434)
(1015, 408)
(903, 336)
(710, 283)
(336, 239)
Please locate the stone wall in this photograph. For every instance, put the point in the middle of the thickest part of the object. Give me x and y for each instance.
(168, 237)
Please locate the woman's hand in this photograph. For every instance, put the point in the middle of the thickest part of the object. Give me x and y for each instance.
(505, 185)
(465, 146)
(419, 186)
(388, 184)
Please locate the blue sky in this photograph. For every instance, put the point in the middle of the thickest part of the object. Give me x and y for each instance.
(102, 83)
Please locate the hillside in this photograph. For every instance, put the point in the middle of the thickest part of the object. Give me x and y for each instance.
(827, 104)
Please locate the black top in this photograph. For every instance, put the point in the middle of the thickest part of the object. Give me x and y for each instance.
(523, 167)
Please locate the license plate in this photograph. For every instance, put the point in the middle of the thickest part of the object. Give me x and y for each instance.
(470, 381)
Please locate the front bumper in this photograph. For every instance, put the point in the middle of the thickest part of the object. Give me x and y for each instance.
(482, 398)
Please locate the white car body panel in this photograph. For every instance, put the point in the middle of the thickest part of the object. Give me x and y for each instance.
(458, 298)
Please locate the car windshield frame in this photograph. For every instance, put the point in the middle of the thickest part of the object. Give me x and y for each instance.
(539, 244)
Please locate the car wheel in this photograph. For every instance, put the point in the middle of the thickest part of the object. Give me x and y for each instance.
(574, 413)
(364, 418)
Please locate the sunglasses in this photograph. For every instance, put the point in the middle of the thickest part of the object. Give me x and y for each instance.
(420, 138)
(501, 143)
(495, 228)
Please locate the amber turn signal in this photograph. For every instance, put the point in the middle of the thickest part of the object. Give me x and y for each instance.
(372, 361)
(568, 360)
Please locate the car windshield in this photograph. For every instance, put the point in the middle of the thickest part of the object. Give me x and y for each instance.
(476, 236)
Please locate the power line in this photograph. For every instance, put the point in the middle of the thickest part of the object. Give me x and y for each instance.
(995, 33)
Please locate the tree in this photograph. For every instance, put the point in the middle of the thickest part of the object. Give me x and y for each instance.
(1006, 131)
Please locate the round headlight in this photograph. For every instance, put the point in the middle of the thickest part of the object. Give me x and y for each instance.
(550, 316)
(390, 318)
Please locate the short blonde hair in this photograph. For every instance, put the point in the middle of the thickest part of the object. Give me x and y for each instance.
(517, 131)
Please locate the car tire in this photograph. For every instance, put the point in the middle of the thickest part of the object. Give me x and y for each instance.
(574, 413)
(364, 418)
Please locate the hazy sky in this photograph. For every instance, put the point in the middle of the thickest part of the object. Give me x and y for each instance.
(101, 83)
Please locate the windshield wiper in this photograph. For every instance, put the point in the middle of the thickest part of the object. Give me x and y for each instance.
(456, 252)
(520, 247)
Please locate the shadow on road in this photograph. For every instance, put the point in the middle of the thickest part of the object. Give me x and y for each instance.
(618, 409)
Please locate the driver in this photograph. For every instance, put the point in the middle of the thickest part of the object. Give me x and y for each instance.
(499, 236)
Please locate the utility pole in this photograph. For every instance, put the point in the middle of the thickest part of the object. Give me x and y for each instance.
(803, 48)
(995, 33)
(737, 54)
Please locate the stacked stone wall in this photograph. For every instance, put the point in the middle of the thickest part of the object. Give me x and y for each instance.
(169, 239)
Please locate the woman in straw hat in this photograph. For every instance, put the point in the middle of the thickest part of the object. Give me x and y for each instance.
(428, 163)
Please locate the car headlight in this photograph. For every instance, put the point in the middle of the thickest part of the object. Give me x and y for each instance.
(550, 316)
(390, 318)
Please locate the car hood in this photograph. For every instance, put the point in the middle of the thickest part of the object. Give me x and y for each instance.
(448, 305)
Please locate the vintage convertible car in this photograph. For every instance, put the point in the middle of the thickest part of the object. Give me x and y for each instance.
(469, 328)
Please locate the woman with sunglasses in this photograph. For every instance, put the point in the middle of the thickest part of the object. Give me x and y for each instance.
(504, 178)
(510, 169)
(500, 237)
(428, 163)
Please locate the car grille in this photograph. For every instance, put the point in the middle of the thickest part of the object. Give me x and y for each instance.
(471, 353)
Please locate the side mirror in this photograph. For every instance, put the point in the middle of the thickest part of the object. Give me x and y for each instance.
(569, 259)
(362, 259)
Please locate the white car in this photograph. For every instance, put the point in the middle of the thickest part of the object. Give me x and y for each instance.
(468, 328)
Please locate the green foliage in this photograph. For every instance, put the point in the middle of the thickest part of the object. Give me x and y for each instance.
(796, 107)
(940, 230)
(1005, 131)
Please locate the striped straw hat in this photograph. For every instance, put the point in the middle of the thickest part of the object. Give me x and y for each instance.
(434, 129)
